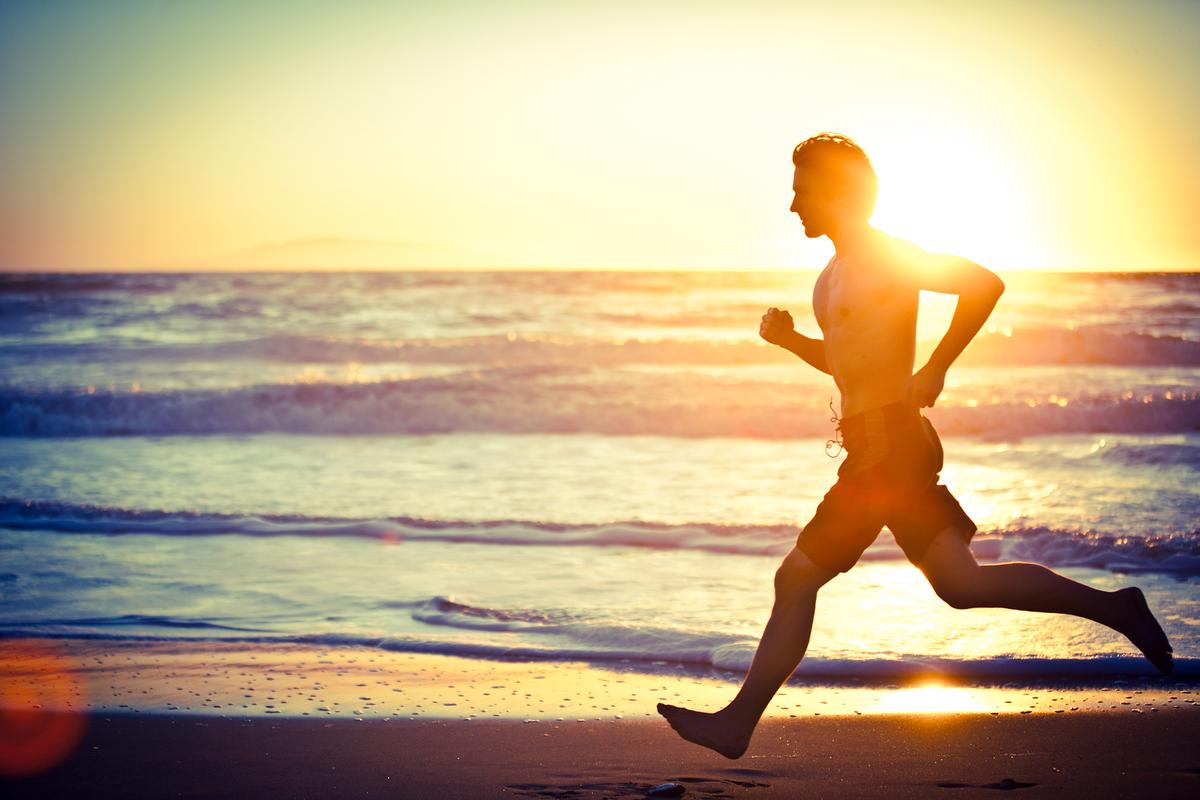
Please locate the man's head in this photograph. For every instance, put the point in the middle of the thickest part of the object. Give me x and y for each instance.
(834, 185)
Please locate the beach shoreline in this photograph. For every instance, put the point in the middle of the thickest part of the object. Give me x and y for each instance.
(235, 679)
(154, 719)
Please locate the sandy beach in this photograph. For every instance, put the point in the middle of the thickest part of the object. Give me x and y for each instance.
(222, 720)
(178, 755)
(557, 400)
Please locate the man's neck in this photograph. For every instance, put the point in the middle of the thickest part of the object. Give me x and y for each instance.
(851, 237)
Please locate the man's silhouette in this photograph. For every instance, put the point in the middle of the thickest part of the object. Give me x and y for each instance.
(865, 303)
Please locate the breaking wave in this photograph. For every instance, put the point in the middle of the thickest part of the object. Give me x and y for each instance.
(547, 636)
(549, 399)
(1032, 347)
(1175, 554)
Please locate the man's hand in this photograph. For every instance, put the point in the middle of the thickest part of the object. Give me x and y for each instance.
(777, 326)
(926, 385)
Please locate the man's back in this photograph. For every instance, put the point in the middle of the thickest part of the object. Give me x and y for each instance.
(866, 302)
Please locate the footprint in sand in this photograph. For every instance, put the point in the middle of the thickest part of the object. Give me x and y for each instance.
(697, 786)
(1004, 784)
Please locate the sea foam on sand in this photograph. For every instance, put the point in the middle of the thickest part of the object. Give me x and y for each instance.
(239, 681)
(222, 721)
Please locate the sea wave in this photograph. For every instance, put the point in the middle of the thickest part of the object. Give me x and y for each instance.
(1092, 346)
(1171, 553)
(134, 620)
(552, 399)
(1162, 454)
(645, 647)
(56, 284)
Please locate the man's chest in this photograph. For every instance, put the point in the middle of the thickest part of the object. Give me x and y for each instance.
(846, 298)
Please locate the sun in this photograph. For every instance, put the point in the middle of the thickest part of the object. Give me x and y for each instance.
(957, 192)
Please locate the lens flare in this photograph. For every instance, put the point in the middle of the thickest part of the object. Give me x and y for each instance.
(41, 693)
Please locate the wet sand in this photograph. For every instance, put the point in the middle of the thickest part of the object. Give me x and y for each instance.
(1089, 755)
(228, 720)
(231, 679)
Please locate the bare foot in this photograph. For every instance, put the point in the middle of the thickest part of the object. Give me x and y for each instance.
(714, 731)
(1139, 624)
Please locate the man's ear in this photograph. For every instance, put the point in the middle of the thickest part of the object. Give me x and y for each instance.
(835, 194)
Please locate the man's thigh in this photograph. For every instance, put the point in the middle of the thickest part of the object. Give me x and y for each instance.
(925, 516)
(844, 525)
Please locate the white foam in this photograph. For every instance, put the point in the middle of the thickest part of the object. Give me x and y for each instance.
(551, 399)
(1177, 554)
(651, 653)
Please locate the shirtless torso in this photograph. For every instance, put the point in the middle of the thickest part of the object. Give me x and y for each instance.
(866, 304)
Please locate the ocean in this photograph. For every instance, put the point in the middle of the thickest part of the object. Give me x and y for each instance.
(597, 466)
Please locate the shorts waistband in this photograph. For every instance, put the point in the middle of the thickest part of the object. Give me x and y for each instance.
(876, 422)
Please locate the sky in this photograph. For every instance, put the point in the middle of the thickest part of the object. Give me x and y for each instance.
(246, 134)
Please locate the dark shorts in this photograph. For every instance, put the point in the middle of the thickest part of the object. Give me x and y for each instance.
(889, 477)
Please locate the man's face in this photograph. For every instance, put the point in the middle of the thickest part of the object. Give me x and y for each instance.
(810, 200)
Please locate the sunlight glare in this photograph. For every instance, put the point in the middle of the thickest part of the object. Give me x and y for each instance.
(931, 698)
(955, 191)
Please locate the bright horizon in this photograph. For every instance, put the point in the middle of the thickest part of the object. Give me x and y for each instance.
(137, 135)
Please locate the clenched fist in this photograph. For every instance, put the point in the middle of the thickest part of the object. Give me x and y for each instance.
(777, 326)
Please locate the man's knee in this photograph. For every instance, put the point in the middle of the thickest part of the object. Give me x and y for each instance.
(797, 575)
(955, 594)
(958, 589)
(951, 570)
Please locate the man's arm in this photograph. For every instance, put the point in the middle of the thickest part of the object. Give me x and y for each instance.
(811, 350)
(978, 289)
(778, 328)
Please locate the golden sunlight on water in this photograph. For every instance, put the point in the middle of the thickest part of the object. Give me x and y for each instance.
(906, 618)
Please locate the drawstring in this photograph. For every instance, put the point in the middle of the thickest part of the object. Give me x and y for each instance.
(836, 441)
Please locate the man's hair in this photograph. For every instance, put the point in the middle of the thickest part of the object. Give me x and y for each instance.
(845, 163)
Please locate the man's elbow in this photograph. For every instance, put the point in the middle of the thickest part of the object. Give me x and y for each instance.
(988, 284)
(994, 285)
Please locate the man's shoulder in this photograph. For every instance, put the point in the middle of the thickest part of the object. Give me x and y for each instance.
(894, 250)
(899, 260)
(921, 268)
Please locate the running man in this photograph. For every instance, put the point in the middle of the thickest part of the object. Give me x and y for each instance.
(865, 303)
